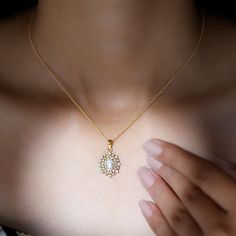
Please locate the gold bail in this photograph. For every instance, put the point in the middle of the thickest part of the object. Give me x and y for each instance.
(110, 144)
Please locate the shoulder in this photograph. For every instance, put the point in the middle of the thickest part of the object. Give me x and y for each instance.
(22, 81)
(218, 57)
(219, 52)
(217, 74)
(20, 73)
(12, 46)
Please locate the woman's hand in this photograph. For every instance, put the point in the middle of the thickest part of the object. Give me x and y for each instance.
(191, 196)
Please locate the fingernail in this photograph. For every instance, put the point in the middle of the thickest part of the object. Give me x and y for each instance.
(145, 208)
(152, 147)
(146, 177)
(154, 163)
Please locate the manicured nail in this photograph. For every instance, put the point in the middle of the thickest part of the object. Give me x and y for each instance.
(154, 163)
(146, 177)
(145, 208)
(152, 147)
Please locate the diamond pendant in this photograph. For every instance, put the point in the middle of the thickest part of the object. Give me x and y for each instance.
(110, 162)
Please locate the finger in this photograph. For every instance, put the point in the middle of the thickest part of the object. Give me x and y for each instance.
(155, 219)
(173, 210)
(228, 166)
(203, 209)
(220, 186)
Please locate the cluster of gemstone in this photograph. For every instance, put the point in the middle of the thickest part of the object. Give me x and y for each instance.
(110, 164)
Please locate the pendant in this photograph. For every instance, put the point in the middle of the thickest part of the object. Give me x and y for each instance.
(110, 162)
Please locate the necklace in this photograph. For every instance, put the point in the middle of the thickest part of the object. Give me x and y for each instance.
(110, 163)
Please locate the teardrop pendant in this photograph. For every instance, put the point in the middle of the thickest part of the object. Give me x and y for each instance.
(110, 162)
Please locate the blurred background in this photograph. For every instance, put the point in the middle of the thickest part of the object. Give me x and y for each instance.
(222, 7)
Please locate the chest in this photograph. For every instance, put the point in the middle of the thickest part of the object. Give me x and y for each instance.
(50, 168)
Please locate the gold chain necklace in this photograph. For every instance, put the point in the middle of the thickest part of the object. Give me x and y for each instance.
(110, 163)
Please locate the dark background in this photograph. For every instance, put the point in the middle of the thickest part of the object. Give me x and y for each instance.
(222, 7)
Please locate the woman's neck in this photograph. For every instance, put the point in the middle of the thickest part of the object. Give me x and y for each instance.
(108, 52)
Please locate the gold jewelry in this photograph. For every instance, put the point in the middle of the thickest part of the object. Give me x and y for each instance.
(110, 163)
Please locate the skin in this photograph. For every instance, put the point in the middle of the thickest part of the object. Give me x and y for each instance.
(49, 173)
(186, 200)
